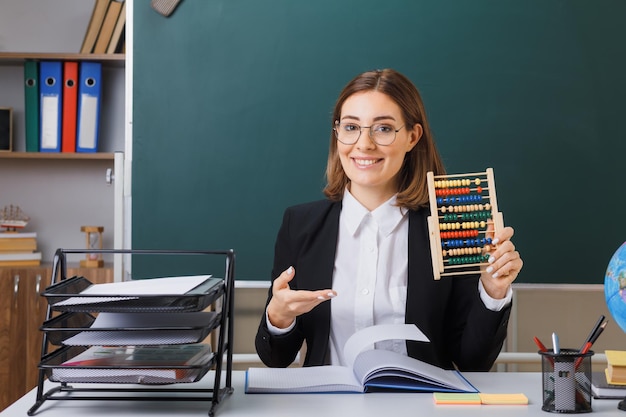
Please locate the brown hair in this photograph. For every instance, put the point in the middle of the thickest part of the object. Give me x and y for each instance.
(424, 157)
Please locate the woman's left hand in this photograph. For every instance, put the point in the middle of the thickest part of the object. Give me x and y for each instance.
(505, 264)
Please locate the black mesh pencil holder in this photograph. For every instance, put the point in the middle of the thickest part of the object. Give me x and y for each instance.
(566, 381)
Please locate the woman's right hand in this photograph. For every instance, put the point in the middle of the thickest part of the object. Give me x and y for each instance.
(287, 304)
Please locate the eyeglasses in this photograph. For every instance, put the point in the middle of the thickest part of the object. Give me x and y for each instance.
(381, 134)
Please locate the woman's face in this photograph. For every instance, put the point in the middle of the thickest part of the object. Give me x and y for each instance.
(371, 168)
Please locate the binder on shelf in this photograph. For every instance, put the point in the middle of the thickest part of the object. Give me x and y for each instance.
(31, 105)
(6, 129)
(117, 31)
(70, 102)
(108, 25)
(89, 90)
(51, 105)
(93, 28)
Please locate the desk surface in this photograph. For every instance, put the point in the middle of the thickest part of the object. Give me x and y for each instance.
(312, 405)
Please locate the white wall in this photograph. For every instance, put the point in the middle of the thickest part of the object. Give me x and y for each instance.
(43, 25)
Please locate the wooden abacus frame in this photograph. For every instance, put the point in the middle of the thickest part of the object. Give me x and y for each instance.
(466, 209)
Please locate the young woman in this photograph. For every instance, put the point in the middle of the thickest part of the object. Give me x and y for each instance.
(361, 257)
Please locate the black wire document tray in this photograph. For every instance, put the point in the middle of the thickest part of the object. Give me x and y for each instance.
(163, 364)
(148, 333)
(78, 294)
(122, 329)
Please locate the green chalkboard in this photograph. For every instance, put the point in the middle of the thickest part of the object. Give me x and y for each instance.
(232, 102)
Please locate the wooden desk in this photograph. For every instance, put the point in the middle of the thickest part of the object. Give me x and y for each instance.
(315, 405)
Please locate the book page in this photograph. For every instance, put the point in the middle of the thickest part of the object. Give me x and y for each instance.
(308, 379)
(386, 369)
(328, 378)
(370, 335)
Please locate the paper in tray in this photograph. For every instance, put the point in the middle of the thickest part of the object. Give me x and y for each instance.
(121, 329)
(171, 294)
(138, 365)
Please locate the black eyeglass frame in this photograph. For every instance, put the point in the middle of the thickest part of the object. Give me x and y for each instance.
(337, 124)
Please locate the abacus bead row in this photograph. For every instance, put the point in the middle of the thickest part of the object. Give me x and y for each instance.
(465, 208)
(461, 251)
(457, 191)
(457, 234)
(452, 191)
(461, 260)
(463, 225)
(456, 183)
(464, 199)
(459, 243)
(480, 215)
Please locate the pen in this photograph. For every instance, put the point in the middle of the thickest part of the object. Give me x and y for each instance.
(598, 332)
(593, 331)
(555, 343)
(592, 339)
(540, 345)
(542, 348)
(584, 350)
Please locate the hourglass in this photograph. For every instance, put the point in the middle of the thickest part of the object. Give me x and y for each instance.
(94, 241)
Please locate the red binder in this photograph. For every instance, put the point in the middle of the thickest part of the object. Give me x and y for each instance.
(70, 101)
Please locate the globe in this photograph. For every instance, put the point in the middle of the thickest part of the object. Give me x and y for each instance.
(615, 286)
(615, 293)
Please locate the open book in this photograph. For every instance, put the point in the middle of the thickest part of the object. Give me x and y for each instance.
(367, 370)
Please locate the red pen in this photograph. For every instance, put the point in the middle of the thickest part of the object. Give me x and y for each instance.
(542, 348)
(591, 341)
(584, 350)
(540, 345)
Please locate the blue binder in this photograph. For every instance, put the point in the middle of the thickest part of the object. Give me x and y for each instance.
(50, 105)
(89, 93)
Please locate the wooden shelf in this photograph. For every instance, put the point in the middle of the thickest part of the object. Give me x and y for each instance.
(57, 155)
(18, 58)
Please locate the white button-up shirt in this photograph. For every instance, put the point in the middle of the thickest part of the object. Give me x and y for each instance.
(370, 272)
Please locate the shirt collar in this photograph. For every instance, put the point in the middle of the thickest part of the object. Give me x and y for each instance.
(387, 215)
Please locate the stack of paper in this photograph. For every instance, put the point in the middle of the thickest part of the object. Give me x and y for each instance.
(19, 249)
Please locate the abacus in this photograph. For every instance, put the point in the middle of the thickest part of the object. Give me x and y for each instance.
(464, 217)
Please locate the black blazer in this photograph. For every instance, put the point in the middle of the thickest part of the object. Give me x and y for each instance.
(449, 311)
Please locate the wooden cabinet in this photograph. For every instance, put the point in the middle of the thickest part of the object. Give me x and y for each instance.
(22, 310)
(21, 313)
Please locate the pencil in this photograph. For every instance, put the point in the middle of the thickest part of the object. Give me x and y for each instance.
(598, 332)
(594, 329)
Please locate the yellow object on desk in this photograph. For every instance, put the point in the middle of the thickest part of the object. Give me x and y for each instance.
(503, 399)
(616, 369)
(456, 398)
(479, 398)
